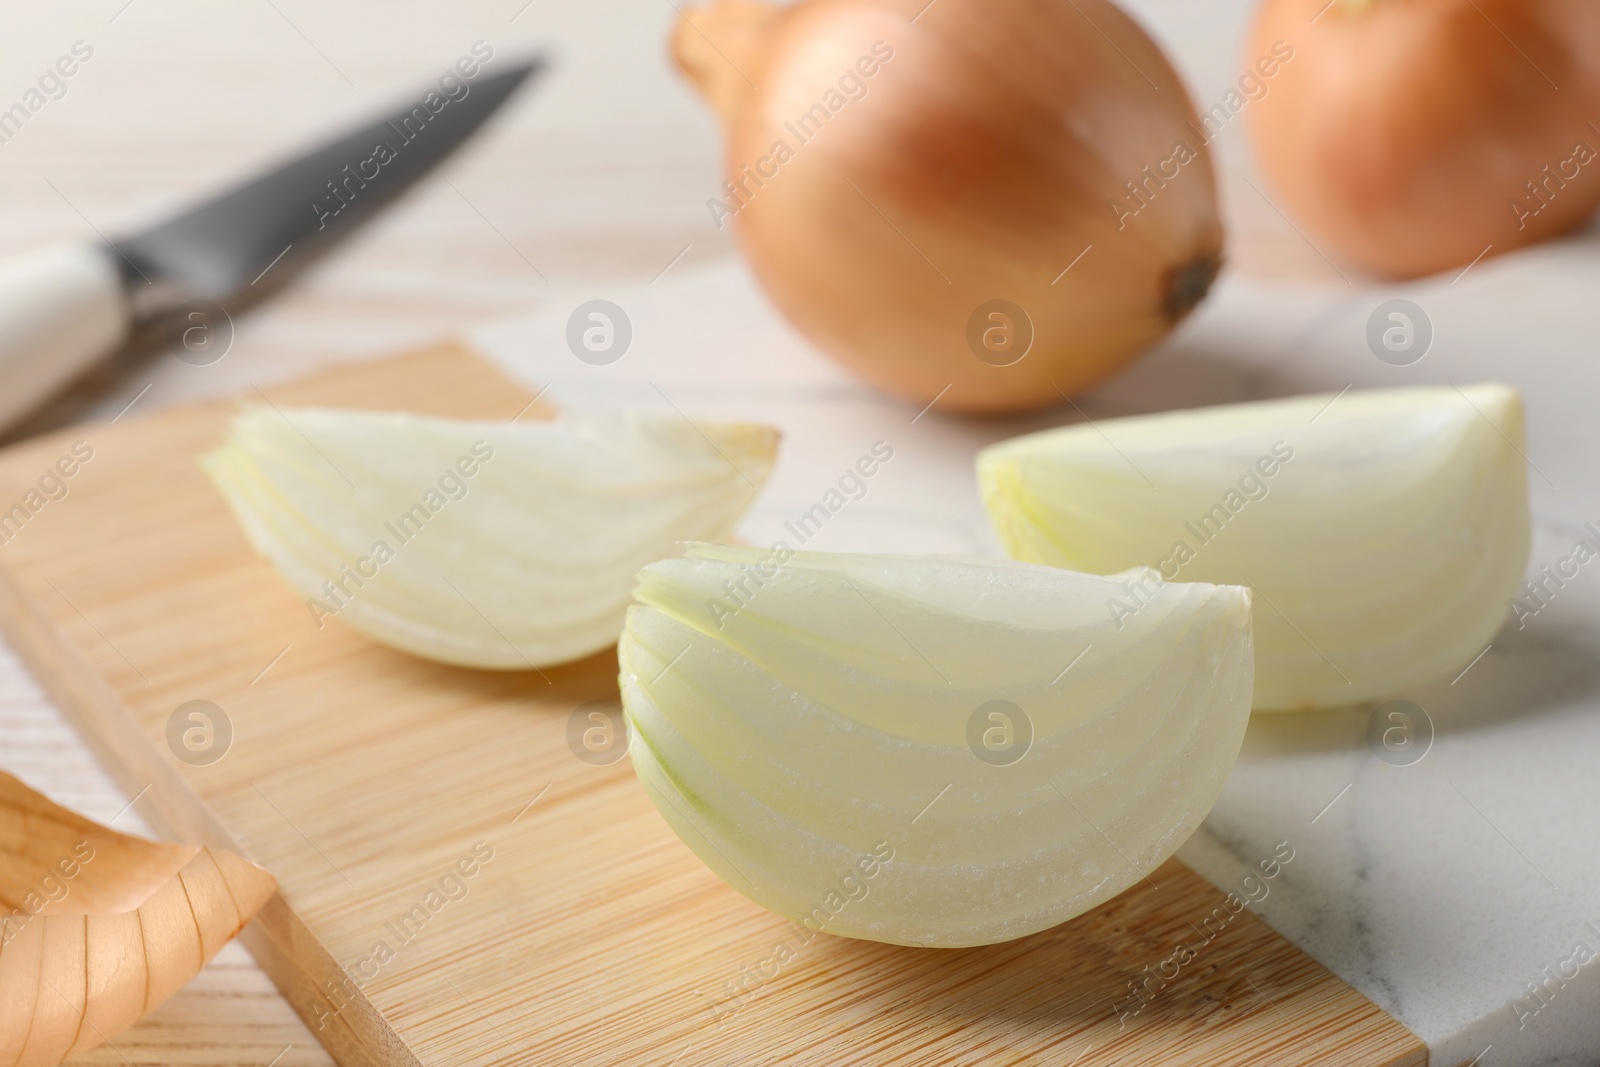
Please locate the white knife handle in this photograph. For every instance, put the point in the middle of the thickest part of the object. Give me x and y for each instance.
(61, 309)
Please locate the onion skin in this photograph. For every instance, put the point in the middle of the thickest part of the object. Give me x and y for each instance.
(1403, 131)
(984, 157)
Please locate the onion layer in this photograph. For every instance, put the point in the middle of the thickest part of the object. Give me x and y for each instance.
(1385, 531)
(1005, 199)
(929, 751)
(498, 545)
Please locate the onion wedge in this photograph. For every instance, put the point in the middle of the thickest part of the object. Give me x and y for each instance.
(928, 751)
(1384, 531)
(507, 546)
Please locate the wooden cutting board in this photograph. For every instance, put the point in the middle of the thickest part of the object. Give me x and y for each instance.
(459, 887)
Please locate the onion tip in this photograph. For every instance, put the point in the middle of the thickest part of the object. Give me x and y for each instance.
(717, 46)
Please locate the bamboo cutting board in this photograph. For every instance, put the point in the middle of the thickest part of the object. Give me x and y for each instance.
(465, 881)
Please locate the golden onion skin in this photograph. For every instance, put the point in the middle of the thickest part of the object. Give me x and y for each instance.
(1404, 132)
(981, 159)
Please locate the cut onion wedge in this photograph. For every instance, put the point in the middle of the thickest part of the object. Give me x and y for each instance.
(929, 751)
(499, 545)
(1384, 532)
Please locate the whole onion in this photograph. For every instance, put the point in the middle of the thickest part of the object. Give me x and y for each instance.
(1414, 136)
(995, 202)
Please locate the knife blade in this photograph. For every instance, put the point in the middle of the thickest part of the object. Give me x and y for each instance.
(63, 308)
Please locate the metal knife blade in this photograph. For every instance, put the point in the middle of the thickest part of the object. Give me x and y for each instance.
(287, 217)
(65, 308)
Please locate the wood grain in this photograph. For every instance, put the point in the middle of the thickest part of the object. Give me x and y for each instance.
(230, 1014)
(362, 778)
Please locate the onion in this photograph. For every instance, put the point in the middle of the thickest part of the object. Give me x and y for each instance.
(100, 928)
(501, 545)
(1384, 532)
(928, 751)
(1008, 199)
(1413, 136)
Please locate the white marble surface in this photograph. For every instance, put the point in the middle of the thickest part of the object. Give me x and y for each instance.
(1438, 889)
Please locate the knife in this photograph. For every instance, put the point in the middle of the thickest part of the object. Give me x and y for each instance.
(63, 308)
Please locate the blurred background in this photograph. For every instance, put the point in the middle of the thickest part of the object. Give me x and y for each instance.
(600, 174)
